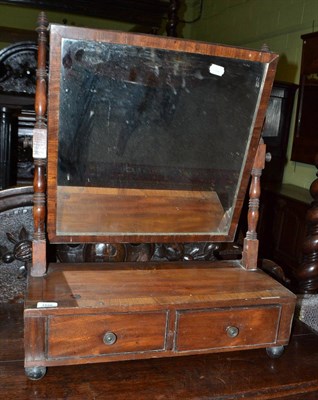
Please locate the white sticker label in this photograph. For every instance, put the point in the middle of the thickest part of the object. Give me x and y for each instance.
(46, 304)
(39, 143)
(216, 70)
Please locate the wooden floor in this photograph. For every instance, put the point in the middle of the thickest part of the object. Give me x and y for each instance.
(246, 374)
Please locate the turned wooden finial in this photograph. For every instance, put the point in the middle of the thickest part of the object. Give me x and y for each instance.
(307, 273)
(250, 246)
(41, 75)
(171, 26)
(40, 153)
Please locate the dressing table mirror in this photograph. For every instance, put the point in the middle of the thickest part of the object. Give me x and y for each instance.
(148, 140)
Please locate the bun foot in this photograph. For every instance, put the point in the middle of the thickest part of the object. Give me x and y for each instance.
(275, 352)
(35, 373)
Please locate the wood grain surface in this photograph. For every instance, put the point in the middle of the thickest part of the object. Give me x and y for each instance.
(153, 311)
(248, 374)
(136, 211)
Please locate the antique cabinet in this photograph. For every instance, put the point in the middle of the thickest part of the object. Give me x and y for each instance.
(282, 227)
(150, 139)
(305, 146)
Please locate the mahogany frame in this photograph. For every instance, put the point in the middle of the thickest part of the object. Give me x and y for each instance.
(57, 33)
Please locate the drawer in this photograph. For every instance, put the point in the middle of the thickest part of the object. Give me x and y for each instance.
(89, 335)
(222, 328)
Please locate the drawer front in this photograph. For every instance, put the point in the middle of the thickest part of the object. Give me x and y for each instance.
(88, 335)
(223, 328)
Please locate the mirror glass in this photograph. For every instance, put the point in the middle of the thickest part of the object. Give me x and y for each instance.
(152, 140)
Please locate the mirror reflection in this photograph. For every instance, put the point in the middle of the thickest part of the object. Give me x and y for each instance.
(153, 140)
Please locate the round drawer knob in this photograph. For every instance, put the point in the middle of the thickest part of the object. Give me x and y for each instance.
(232, 331)
(109, 338)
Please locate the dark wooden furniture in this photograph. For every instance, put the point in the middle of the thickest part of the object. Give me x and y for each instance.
(276, 131)
(307, 272)
(17, 90)
(248, 374)
(288, 233)
(305, 145)
(130, 120)
(282, 227)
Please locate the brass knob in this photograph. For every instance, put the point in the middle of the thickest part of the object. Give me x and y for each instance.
(109, 338)
(232, 331)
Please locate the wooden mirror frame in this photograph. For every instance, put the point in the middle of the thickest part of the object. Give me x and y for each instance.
(58, 33)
